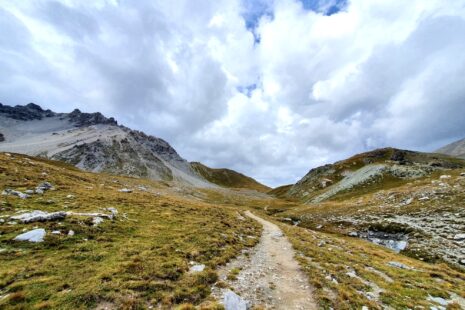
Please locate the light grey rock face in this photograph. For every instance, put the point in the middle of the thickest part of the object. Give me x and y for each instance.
(39, 216)
(232, 301)
(125, 190)
(36, 235)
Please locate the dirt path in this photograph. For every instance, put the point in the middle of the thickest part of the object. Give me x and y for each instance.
(269, 276)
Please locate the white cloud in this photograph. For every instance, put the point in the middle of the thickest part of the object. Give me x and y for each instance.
(319, 87)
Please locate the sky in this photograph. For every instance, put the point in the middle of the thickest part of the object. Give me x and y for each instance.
(270, 88)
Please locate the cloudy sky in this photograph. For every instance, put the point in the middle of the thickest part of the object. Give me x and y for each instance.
(270, 88)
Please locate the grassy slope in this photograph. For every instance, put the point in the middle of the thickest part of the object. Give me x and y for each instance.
(309, 187)
(228, 178)
(133, 262)
(280, 191)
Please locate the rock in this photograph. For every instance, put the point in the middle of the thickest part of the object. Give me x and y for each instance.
(462, 174)
(71, 233)
(113, 211)
(232, 301)
(30, 192)
(39, 191)
(277, 234)
(439, 300)
(97, 220)
(365, 308)
(423, 198)
(459, 237)
(408, 201)
(353, 234)
(2, 137)
(462, 262)
(125, 190)
(11, 192)
(36, 235)
(39, 216)
(197, 268)
(444, 176)
(56, 232)
(70, 196)
(399, 265)
(45, 186)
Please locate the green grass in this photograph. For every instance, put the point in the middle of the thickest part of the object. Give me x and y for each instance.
(228, 178)
(137, 260)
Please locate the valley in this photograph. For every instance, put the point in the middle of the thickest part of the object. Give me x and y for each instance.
(116, 219)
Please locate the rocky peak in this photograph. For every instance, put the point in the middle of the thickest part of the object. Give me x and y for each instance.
(87, 119)
(27, 112)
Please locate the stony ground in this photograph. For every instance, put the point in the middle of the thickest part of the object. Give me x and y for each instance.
(268, 275)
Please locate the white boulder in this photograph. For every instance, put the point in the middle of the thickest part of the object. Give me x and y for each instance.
(35, 235)
(232, 301)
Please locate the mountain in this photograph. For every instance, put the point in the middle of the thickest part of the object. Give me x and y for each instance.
(456, 149)
(362, 173)
(228, 178)
(92, 142)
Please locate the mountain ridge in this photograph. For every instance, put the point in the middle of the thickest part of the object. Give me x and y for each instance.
(376, 168)
(92, 142)
(456, 149)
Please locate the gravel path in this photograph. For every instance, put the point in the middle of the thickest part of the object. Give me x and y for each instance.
(270, 276)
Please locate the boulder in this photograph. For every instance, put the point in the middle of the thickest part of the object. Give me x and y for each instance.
(97, 220)
(197, 268)
(11, 192)
(35, 235)
(232, 301)
(125, 190)
(399, 265)
(39, 216)
(45, 186)
(459, 237)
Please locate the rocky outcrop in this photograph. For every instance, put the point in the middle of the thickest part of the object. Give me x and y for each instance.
(39, 216)
(28, 112)
(88, 119)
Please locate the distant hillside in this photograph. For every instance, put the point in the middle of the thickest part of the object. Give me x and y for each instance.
(362, 173)
(456, 149)
(228, 178)
(280, 191)
(92, 142)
